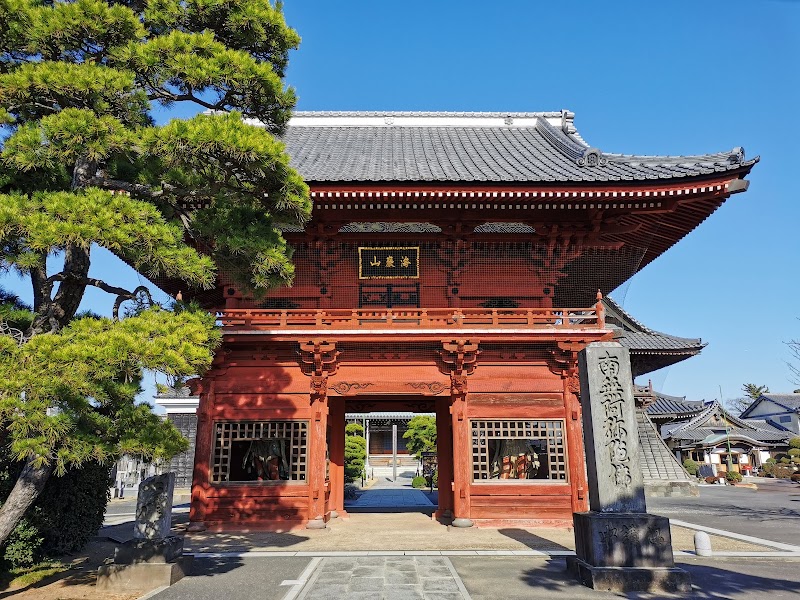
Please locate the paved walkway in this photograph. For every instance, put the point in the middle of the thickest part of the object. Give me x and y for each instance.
(459, 578)
(391, 494)
(387, 578)
(390, 498)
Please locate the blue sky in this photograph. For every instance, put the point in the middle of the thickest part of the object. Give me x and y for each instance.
(679, 77)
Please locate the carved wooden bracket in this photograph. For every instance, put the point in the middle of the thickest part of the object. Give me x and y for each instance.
(318, 359)
(459, 359)
(563, 359)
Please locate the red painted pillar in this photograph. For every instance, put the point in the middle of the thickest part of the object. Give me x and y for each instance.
(336, 454)
(202, 453)
(574, 441)
(317, 450)
(444, 452)
(462, 461)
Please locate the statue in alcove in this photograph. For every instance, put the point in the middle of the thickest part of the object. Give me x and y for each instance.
(515, 459)
(267, 457)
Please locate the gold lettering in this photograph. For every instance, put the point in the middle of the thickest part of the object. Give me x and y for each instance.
(390, 261)
(374, 262)
(405, 262)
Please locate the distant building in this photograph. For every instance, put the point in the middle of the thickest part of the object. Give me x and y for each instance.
(708, 434)
(181, 408)
(779, 410)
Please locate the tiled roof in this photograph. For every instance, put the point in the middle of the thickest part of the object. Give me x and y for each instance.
(639, 338)
(695, 430)
(665, 405)
(472, 147)
(790, 401)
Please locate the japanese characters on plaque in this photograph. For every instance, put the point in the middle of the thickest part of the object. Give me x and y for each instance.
(388, 263)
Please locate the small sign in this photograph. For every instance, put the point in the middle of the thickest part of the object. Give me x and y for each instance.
(388, 263)
(429, 464)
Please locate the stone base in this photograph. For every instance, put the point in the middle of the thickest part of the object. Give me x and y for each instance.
(142, 576)
(316, 524)
(149, 551)
(630, 579)
(462, 522)
(623, 540)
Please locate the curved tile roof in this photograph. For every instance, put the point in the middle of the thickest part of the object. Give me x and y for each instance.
(665, 405)
(472, 147)
(697, 429)
(639, 338)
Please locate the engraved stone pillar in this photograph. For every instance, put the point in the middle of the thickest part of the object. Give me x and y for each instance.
(153, 558)
(618, 545)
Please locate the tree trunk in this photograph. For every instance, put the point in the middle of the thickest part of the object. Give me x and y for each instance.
(27, 488)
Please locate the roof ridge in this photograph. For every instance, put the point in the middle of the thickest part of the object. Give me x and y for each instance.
(428, 113)
(735, 156)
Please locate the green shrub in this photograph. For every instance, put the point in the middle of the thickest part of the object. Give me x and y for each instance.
(794, 442)
(733, 476)
(785, 460)
(66, 515)
(355, 452)
(71, 508)
(24, 546)
(419, 482)
(436, 478)
(691, 466)
(771, 461)
(794, 452)
(354, 429)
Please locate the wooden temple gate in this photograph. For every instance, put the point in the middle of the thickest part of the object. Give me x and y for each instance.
(447, 291)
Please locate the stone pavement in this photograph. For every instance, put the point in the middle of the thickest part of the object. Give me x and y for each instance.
(385, 578)
(390, 498)
(459, 578)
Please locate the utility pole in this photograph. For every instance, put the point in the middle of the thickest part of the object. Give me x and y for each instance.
(727, 431)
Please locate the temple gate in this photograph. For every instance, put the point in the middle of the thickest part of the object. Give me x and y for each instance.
(454, 264)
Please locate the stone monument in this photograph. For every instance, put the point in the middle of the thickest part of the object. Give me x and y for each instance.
(618, 545)
(153, 558)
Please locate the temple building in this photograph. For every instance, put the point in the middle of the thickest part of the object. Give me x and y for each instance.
(454, 264)
(709, 435)
(779, 410)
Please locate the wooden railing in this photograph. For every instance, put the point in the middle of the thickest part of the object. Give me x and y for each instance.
(419, 318)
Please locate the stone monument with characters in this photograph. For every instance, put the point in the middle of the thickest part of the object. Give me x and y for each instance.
(618, 545)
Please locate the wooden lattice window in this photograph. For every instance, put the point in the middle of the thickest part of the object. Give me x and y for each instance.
(518, 450)
(260, 451)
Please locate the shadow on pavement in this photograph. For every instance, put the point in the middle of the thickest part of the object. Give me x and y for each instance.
(531, 540)
(722, 580)
(233, 541)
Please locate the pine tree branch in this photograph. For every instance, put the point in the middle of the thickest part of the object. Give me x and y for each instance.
(121, 293)
(135, 189)
(90, 281)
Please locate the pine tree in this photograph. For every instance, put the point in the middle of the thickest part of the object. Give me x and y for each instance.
(83, 165)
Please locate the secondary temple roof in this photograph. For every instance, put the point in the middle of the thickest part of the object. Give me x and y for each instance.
(713, 422)
(473, 147)
(650, 349)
